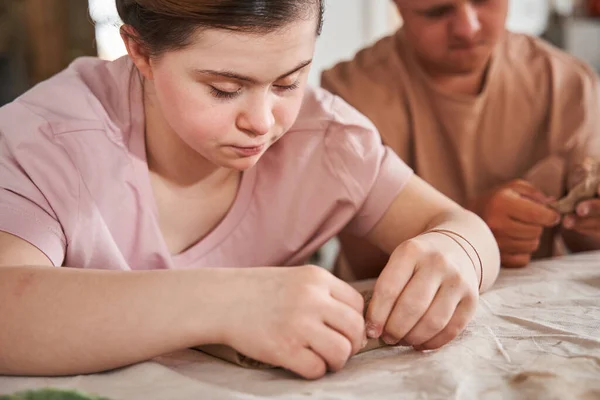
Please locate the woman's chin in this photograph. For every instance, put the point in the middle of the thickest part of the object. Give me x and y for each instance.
(241, 164)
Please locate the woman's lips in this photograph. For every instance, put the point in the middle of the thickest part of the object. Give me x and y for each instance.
(248, 151)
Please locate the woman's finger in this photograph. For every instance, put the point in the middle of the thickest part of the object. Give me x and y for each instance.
(463, 314)
(412, 304)
(438, 315)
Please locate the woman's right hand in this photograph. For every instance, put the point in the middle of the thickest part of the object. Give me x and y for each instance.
(299, 318)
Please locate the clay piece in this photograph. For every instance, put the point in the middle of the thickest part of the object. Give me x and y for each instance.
(584, 183)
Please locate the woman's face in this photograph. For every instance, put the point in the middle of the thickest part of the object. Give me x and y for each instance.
(230, 95)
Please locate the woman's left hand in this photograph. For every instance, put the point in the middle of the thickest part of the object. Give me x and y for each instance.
(423, 297)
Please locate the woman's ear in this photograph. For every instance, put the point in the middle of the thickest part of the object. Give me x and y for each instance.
(136, 50)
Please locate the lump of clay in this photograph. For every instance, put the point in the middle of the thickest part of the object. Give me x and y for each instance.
(584, 184)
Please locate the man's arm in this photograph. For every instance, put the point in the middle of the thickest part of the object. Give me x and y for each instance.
(579, 242)
(581, 230)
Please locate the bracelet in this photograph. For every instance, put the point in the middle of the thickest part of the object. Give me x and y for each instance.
(449, 234)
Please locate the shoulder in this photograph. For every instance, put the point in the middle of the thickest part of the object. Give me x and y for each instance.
(331, 142)
(85, 109)
(369, 76)
(329, 121)
(78, 120)
(542, 64)
(376, 57)
(566, 88)
(91, 94)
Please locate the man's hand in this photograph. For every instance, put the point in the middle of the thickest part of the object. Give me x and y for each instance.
(517, 215)
(586, 219)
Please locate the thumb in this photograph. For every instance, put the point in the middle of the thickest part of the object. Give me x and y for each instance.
(391, 282)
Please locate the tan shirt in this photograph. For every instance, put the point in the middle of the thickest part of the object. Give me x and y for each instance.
(538, 113)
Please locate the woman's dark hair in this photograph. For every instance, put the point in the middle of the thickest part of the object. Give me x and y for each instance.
(162, 25)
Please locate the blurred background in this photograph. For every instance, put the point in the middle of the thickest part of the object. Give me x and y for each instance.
(38, 38)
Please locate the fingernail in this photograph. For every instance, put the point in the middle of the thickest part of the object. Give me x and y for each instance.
(389, 340)
(372, 331)
(557, 220)
(364, 342)
(583, 210)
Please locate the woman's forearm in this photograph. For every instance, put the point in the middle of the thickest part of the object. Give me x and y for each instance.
(472, 228)
(61, 321)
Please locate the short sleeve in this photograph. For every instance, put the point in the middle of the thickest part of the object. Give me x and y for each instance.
(590, 129)
(575, 114)
(25, 210)
(372, 174)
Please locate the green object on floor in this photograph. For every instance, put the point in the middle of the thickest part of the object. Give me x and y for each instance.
(50, 394)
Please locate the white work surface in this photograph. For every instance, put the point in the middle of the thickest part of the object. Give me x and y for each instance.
(536, 336)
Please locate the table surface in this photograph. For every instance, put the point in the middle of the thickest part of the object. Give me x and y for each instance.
(536, 336)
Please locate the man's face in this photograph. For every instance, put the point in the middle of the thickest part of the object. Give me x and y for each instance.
(453, 36)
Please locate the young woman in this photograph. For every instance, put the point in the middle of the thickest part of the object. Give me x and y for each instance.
(159, 179)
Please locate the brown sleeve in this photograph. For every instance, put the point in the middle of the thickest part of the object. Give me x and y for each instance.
(374, 83)
(576, 134)
(575, 116)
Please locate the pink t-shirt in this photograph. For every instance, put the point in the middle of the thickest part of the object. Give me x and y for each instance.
(74, 180)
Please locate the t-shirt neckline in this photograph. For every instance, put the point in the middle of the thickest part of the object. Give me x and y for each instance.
(404, 51)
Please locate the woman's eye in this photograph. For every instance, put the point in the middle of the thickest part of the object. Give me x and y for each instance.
(222, 94)
(293, 86)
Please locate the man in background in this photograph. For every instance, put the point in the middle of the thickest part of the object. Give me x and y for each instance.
(497, 121)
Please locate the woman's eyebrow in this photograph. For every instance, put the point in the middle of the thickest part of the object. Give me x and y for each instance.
(236, 76)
